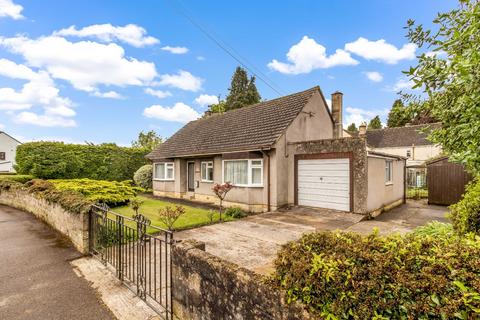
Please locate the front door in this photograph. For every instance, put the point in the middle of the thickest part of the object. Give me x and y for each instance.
(191, 176)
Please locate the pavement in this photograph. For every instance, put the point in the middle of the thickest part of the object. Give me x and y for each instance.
(254, 241)
(37, 280)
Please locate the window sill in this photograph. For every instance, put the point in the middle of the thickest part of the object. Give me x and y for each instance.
(206, 181)
(248, 186)
(389, 183)
(163, 180)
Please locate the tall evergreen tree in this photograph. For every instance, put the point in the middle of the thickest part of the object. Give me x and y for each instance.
(375, 123)
(242, 91)
(352, 127)
(399, 115)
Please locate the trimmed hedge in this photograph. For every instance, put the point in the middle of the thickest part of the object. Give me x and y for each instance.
(143, 176)
(112, 193)
(428, 274)
(57, 160)
(465, 214)
(22, 178)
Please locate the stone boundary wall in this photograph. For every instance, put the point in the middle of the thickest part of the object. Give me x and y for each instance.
(73, 226)
(209, 288)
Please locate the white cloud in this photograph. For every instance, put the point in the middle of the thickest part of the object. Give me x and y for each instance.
(44, 120)
(357, 115)
(403, 84)
(183, 80)
(381, 51)
(84, 64)
(205, 100)
(180, 112)
(2, 126)
(10, 9)
(200, 58)
(175, 50)
(108, 94)
(157, 93)
(308, 55)
(329, 103)
(12, 70)
(130, 33)
(374, 76)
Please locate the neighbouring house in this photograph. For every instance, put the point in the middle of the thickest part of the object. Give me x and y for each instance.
(282, 152)
(8, 151)
(410, 142)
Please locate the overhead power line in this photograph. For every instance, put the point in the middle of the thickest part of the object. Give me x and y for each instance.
(229, 50)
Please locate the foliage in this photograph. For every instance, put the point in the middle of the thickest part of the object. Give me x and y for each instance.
(235, 212)
(9, 185)
(220, 107)
(399, 115)
(417, 193)
(22, 178)
(465, 214)
(148, 141)
(450, 78)
(57, 160)
(221, 190)
(69, 200)
(375, 123)
(435, 229)
(112, 193)
(169, 215)
(135, 204)
(352, 127)
(143, 176)
(349, 276)
(242, 91)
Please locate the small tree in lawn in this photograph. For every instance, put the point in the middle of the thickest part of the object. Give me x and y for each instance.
(169, 215)
(221, 191)
(135, 204)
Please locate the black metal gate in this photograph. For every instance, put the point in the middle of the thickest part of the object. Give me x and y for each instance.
(141, 260)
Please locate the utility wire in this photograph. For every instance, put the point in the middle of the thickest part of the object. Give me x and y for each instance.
(229, 50)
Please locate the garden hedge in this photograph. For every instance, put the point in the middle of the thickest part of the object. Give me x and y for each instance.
(143, 176)
(429, 274)
(465, 214)
(22, 178)
(58, 160)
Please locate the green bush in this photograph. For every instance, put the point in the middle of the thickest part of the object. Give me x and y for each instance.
(57, 160)
(234, 212)
(143, 176)
(71, 201)
(350, 276)
(22, 178)
(9, 185)
(112, 193)
(465, 214)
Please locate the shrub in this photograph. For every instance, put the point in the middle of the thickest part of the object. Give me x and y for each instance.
(22, 178)
(169, 215)
(111, 193)
(465, 214)
(8, 185)
(57, 160)
(234, 212)
(143, 176)
(350, 276)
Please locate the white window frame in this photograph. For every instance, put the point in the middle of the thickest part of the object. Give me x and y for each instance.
(249, 172)
(166, 166)
(388, 172)
(208, 165)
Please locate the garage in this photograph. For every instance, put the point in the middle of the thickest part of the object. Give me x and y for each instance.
(324, 183)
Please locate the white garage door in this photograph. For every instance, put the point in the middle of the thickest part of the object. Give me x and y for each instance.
(324, 183)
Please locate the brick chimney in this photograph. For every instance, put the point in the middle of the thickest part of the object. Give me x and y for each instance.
(362, 130)
(337, 114)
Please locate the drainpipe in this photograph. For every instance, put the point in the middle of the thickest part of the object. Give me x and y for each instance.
(267, 155)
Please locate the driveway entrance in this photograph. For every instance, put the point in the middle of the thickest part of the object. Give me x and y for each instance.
(36, 278)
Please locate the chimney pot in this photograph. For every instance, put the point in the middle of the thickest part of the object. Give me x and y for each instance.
(337, 114)
(362, 130)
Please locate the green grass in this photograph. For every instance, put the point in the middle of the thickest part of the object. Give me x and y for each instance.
(417, 193)
(193, 217)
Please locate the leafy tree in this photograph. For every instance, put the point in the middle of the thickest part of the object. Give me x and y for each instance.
(220, 107)
(399, 115)
(242, 91)
(375, 123)
(148, 141)
(450, 79)
(352, 127)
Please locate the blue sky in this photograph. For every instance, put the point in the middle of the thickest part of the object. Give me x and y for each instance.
(102, 71)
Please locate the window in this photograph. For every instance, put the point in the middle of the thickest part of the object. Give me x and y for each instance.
(248, 173)
(164, 171)
(2, 156)
(388, 171)
(207, 171)
(409, 153)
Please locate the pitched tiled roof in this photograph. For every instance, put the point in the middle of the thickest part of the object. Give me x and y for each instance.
(401, 136)
(248, 128)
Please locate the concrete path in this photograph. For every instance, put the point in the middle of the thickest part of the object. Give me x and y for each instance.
(254, 241)
(36, 278)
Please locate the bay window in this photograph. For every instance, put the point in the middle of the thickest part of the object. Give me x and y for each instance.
(207, 171)
(247, 173)
(164, 171)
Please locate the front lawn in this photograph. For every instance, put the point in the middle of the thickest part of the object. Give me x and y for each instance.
(193, 216)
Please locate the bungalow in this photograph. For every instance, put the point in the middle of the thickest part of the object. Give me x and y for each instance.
(281, 152)
(8, 151)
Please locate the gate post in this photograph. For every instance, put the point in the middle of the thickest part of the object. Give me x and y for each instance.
(119, 247)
